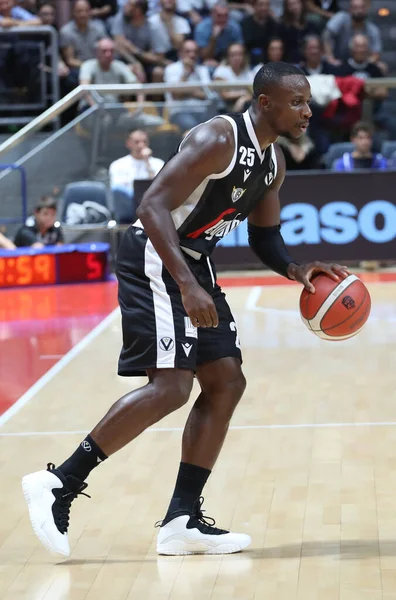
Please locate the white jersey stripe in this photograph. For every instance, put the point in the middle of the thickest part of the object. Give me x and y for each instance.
(180, 214)
(164, 322)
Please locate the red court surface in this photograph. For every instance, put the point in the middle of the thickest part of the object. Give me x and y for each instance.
(40, 325)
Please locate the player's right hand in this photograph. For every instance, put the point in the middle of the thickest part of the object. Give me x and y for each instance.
(199, 306)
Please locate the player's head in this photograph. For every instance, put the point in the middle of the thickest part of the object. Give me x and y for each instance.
(362, 138)
(136, 142)
(281, 94)
(45, 212)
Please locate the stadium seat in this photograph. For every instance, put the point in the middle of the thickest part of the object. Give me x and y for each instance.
(388, 148)
(79, 192)
(336, 151)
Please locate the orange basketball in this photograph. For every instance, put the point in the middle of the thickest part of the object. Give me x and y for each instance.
(338, 310)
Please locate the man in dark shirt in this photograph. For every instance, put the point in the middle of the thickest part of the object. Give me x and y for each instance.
(258, 29)
(44, 231)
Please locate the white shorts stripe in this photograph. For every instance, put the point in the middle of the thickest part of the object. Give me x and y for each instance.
(166, 341)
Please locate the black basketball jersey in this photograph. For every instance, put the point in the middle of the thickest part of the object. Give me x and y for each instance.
(223, 200)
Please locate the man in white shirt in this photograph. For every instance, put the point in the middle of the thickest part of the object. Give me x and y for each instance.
(138, 164)
(192, 109)
(168, 30)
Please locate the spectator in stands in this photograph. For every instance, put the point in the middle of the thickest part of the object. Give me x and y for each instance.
(168, 31)
(47, 14)
(300, 154)
(235, 68)
(103, 9)
(194, 10)
(45, 229)
(275, 50)
(134, 38)
(215, 33)
(6, 243)
(187, 69)
(105, 69)
(360, 65)
(138, 164)
(314, 62)
(78, 38)
(294, 29)
(343, 26)
(257, 29)
(320, 11)
(362, 157)
(12, 15)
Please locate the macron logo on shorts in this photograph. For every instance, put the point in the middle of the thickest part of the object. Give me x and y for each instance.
(187, 348)
(189, 328)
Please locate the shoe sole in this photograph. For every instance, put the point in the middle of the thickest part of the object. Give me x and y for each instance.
(36, 528)
(180, 548)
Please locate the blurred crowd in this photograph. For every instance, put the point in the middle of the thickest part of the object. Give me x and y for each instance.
(126, 41)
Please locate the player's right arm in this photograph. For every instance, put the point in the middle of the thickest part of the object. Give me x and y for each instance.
(207, 150)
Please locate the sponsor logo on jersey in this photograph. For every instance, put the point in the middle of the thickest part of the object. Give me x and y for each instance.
(246, 174)
(269, 178)
(195, 234)
(222, 228)
(187, 348)
(166, 343)
(237, 193)
(86, 446)
(189, 328)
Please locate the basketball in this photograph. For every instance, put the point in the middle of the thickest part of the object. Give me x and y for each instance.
(338, 310)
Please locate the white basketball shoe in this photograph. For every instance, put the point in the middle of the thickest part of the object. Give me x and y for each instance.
(195, 534)
(49, 495)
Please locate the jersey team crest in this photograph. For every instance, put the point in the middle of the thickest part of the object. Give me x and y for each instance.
(237, 193)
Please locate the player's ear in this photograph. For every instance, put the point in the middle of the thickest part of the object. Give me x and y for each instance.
(264, 102)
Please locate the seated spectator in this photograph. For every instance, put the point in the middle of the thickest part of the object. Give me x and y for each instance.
(320, 11)
(45, 230)
(362, 157)
(294, 29)
(12, 15)
(360, 65)
(194, 10)
(343, 26)
(47, 14)
(168, 31)
(275, 50)
(235, 68)
(6, 243)
(215, 33)
(134, 39)
(103, 9)
(300, 154)
(257, 29)
(187, 69)
(138, 164)
(314, 62)
(105, 69)
(78, 37)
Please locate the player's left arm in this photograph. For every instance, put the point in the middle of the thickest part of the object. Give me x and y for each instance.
(267, 243)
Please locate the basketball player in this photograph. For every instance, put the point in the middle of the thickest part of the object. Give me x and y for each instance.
(175, 319)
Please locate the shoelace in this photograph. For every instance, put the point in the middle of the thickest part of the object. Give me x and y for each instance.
(64, 500)
(196, 512)
(199, 513)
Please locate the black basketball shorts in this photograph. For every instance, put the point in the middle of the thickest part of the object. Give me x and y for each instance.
(157, 333)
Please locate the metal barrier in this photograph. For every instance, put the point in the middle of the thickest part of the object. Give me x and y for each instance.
(133, 90)
(44, 39)
(22, 172)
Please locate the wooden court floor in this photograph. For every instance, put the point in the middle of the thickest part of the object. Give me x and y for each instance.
(308, 470)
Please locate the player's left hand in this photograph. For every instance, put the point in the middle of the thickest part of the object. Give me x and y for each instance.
(304, 273)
